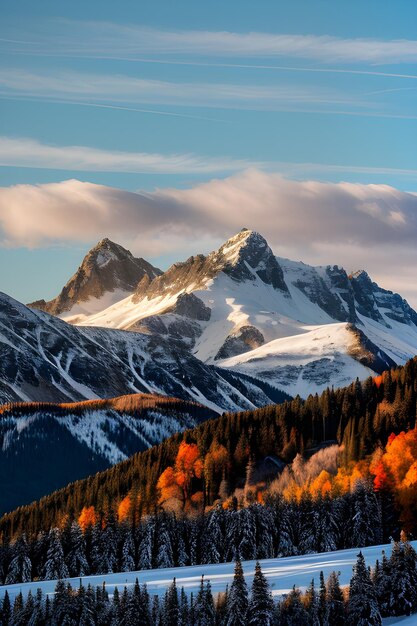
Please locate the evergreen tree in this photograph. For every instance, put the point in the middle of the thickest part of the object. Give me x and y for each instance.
(237, 601)
(247, 544)
(312, 605)
(204, 613)
(164, 554)
(171, 606)
(85, 608)
(127, 560)
(145, 545)
(76, 559)
(402, 581)
(20, 568)
(261, 606)
(55, 567)
(362, 608)
(367, 523)
(212, 539)
(6, 610)
(335, 605)
(381, 578)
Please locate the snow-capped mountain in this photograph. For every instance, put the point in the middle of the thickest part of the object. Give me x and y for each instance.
(43, 358)
(107, 274)
(241, 308)
(40, 442)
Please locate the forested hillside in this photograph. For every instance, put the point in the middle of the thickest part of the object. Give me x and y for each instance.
(235, 459)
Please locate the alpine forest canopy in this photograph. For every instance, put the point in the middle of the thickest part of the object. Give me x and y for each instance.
(238, 459)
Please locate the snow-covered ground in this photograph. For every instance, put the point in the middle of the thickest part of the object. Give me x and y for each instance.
(282, 574)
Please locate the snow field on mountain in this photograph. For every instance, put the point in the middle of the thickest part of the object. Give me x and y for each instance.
(282, 574)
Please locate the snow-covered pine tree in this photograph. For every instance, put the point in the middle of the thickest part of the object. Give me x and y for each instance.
(116, 613)
(411, 565)
(232, 536)
(102, 606)
(362, 607)
(85, 608)
(76, 559)
(381, 580)
(156, 612)
(265, 531)
(204, 612)
(402, 580)
(335, 614)
(367, 523)
(55, 567)
(184, 609)
(261, 605)
(104, 549)
(145, 548)
(37, 617)
(181, 556)
(171, 610)
(237, 601)
(127, 559)
(20, 568)
(60, 607)
(164, 554)
(247, 543)
(288, 529)
(6, 610)
(212, 539)
(17, 612)
(322, 598)
(312, 605)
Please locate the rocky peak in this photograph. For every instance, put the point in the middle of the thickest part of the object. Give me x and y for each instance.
(248, 254)
(363, 290)
(242, 257)
(107, 267)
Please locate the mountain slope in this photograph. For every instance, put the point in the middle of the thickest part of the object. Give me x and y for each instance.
(46, 446)
(360, 417)
(43, 358)
(301, 328)
(107, 274)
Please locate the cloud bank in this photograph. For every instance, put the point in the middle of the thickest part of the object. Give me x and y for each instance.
(370, 226)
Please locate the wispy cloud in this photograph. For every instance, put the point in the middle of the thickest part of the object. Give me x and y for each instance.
(98, 39)
(374, 226)
(30, 153)
(116, 88)
(24, 152)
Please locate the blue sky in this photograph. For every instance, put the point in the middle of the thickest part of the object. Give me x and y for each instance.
(154, 95)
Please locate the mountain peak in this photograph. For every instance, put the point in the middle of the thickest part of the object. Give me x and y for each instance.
(108, 267)
(247, 255)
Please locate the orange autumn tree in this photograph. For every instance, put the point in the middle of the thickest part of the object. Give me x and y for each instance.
(176, 482)
(87, 517)
(124, 509)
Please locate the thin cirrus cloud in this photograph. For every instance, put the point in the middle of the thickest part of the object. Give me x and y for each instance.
(25, 152)
(104, 39)
(30, 153)
(374, 226)
(117, 88)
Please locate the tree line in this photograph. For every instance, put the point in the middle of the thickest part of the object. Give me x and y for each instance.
(390, 589)
(163, 540)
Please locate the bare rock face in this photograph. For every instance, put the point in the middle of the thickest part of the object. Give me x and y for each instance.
(107, 267)
(188, 305)
(245, 339)
(244, 257)
(367, 353)
(370, 298)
